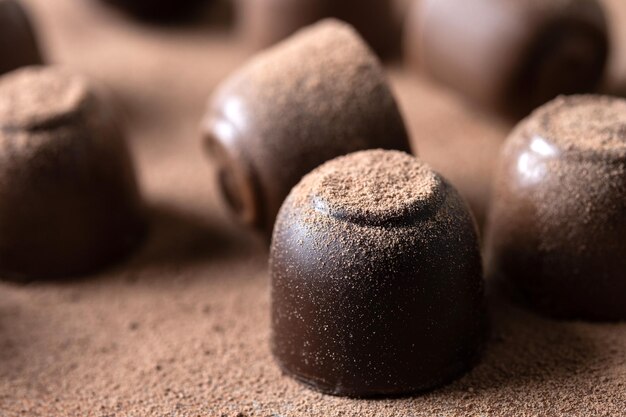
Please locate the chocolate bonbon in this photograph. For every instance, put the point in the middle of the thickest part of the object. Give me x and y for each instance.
(18, 44)
(376, 278)
(69, 202)
(558, 215)
(316, 96)
(265, 22)
(511, 56)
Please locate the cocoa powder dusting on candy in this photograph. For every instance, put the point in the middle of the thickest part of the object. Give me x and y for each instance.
(334, 60)
(36, 95)
(371, 199)
(369, 189)
(38, 108)
(66, 349)
(557, 214)
(586, 123)
(592, 131)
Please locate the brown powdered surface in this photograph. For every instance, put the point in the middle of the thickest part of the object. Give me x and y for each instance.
(367, 189)
(328, 48)
(591, 124)
(182, 328)
(31, 97)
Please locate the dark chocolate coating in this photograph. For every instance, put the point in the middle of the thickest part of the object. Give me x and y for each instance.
(370, 301)
(510, 56)
(69, 202)
(317, 96)
(555, 236)
(159, 9)
(265, 22)
(18, 44)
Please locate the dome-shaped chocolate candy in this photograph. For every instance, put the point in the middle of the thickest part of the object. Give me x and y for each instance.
(68, 198)
(510, 55)
(558, 215)
(377, 284)
(318, 95)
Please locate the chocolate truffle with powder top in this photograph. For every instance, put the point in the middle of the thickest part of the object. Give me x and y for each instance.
(68, 198)
(265, 22)
(509, 55)
(558, 216)
(377, 285)
(316, 96)
(18, 44)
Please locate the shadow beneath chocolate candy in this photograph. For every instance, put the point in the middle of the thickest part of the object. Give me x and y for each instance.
(526, 358)
(173, 240)
(528, 352)
(178, 239)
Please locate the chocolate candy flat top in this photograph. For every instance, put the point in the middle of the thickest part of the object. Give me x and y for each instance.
(591, 125)
(376, 187)
(38, 98)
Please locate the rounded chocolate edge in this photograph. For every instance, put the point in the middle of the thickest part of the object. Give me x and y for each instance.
(235, 174)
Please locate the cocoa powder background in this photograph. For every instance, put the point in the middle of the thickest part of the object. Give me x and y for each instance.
(181, 328)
